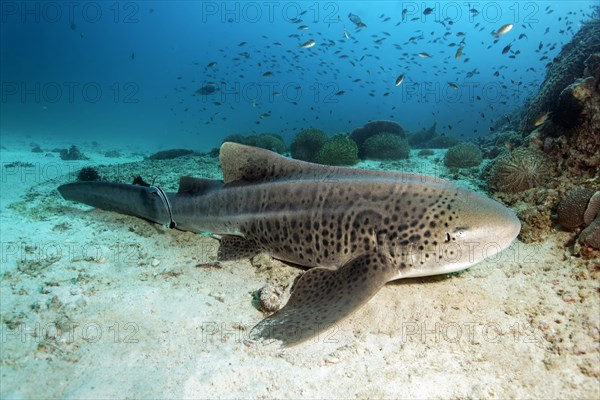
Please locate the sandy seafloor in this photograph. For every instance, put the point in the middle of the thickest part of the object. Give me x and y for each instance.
(99, 305)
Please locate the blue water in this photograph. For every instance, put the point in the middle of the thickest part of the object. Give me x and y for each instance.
(127, 72)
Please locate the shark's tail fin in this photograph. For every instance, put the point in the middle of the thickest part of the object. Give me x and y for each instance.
(140, 201)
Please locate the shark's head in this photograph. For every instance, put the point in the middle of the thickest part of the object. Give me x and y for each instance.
(462, 229)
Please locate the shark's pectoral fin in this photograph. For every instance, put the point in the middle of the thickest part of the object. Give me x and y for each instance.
(323, 297)
(235, 248)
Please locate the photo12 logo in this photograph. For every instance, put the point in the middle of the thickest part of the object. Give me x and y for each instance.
(68, 12)
(68, 92)
(269, 11)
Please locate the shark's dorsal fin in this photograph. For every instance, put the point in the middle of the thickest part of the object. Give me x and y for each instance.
(243, 164)
(188, 184)
(247, 164)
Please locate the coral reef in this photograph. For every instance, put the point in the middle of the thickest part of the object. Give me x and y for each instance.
(270, 141)
(88, 174)
(441, 142)
(420, 138)
(589, 240)
(170, 154)
(464, 155)
(517, 170)
(571, 102)
(570, 96)
(112, 154)
(536, 222)
(360, 135)
(430, 139)
(307, 143)
(386, 146)
(73, 153)
(338, 150)
(568, 66)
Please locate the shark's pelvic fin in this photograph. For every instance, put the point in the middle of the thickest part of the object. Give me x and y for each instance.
(323, 297)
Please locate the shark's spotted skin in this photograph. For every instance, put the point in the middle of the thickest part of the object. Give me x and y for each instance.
(360, 228)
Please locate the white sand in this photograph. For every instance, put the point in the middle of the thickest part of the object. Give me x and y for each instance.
(98, 305)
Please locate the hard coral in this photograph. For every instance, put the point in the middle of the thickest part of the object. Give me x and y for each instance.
(338, 150)
(590, 237)
(420, 138)
(464, 155)
(307, 143)
(360, 135)
(386, 146)
(170, 154)
(518, 170)
(268, 141)
(571, 209)
(571, 102)
(269, 298)
(441, 142)
(72, 154)
(88, 174)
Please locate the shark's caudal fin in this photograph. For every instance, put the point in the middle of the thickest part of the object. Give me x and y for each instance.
(323, 297)
(139, 201)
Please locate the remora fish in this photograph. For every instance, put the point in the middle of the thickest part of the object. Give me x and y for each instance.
(358, 229)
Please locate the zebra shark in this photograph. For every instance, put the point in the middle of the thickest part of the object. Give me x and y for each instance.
(355, 229)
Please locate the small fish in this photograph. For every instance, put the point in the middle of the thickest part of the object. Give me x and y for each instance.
(356, 20)
(340, 93)
(307, 45)
(424, 55)
(506, 48)
(503, 29)
(458, 53)
(428, 11)
(264, 115)
(211, 64)
(399, 80)
(453, 85)
(132, 55)
(542, 118)
(303, 27)
(268, 73)
(346, 33)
